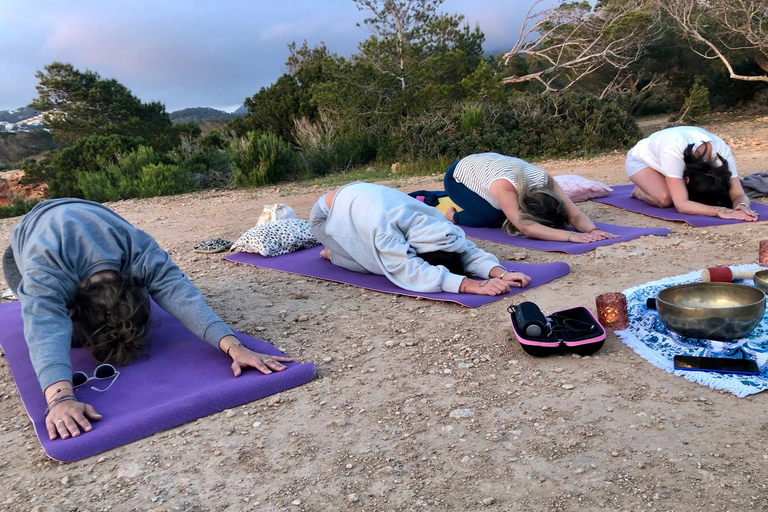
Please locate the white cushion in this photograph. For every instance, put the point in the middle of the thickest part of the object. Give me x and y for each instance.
(276, 238)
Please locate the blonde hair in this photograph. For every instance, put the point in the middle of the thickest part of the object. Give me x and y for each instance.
(540, 205)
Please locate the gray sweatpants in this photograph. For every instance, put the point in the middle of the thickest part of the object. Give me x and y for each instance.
(340, 257)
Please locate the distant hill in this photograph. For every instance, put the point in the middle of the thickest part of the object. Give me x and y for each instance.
(241, 110)
(17, 146)
(200, 114)
(20, 114)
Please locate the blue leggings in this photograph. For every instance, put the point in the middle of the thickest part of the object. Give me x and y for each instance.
(476, 211)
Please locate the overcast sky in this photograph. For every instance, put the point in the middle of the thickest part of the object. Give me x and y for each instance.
(195, 53)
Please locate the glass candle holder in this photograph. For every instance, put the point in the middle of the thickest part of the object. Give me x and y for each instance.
(612, 311)
(762, 255)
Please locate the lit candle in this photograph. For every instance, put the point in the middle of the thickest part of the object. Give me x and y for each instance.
(612, 311)
(762, 258)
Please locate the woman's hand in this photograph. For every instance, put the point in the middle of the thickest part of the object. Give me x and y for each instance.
(516, 279)
(243, 357)
(66, 419)
(752, 214)
(593, 236)
(493, 286)
(736, 214)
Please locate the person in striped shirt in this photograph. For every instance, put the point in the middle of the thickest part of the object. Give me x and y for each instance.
(495, 190)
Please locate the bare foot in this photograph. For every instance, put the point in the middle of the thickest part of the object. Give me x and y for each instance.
(325, 253)
(449, 213)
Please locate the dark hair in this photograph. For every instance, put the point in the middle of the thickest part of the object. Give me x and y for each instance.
(450, 260)
(541, 205)
(707, 183)
(111, 316)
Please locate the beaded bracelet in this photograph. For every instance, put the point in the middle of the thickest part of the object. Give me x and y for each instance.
(238, 344)
(58, 400)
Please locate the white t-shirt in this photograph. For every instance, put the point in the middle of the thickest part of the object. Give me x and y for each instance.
(477, 172)
(663, 150)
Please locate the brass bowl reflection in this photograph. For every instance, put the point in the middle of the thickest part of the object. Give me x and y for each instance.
(761, 280)
(713, 311)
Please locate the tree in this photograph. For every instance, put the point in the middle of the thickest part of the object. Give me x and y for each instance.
(81, 104)
(562, 46)
(725, 30)
(413, 47)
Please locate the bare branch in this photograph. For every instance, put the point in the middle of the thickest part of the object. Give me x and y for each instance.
(565, 44)
(721, 27)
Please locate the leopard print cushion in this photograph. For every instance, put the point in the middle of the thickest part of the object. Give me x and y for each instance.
(277, 237)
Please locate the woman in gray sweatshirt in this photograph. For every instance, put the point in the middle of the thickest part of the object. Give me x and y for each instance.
(376, 229)
(75, 263)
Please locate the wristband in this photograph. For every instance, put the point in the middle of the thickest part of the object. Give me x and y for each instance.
(503, 274)
(570, 233)
(236, 344)
(57, 401)
(745, 206)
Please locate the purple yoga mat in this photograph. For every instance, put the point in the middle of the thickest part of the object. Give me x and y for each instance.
(620, 198)
(626, 232)
(308, 262)
(181, 378)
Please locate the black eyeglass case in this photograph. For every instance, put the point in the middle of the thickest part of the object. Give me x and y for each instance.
(575, 329)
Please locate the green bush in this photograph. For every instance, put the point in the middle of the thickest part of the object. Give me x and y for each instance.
(140, 173)
(260, 159)
(696, 103)
(18, 207)
(527, 126)
(472, 117)
(89, 154)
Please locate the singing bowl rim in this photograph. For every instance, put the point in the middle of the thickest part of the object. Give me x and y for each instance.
(761, 280)
(745, 288)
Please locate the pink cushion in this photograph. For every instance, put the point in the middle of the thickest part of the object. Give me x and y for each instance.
(579, 188)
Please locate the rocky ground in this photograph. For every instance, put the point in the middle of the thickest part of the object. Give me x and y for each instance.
(378, 429)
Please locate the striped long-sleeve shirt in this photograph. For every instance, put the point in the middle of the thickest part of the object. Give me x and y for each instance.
(477, 172)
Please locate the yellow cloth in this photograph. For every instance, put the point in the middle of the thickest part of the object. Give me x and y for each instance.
(444, 203)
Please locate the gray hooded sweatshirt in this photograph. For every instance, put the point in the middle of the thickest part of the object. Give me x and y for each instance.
(383, 230)
(62, 243)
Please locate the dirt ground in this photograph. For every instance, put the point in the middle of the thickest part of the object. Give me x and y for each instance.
(372, 432)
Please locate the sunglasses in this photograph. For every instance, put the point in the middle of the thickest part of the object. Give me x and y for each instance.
(103, 371)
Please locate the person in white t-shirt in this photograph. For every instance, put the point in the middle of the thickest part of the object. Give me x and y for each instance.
(691, 169)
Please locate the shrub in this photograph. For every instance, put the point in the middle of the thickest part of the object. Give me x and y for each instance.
(527, 126)
(140, 173)
(18, 207)
(260, 159)
(89, 154)
(696, 103)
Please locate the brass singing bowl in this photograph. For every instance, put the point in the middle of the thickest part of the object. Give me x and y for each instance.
(761, 280)
(713, 311)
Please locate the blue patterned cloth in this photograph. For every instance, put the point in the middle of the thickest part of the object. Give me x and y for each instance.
(649, 337)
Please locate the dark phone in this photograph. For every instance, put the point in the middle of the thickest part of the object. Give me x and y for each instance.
(717, 364)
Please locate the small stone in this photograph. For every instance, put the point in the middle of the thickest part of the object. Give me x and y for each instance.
(567, 386)
(465, 459)
(217, 452)
(544, 408)
(614, 453)
(640, 465)
(337, 423)
(462, 413)
(352, 498)
(274, 400)
(466, 366)
(390, 343)
(447, 371)
(327, 359)
(257, 424)
(488, 501)
(348, 466)
(66, 481)
(230, 413)
(296, 502)
(101, 459)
